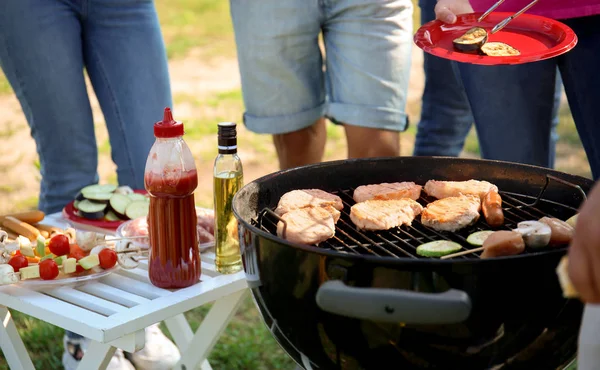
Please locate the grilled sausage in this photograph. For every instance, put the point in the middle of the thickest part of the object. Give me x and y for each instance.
(30, 217)
(51, 230)
(503, 243)
(21, 228)
(562, 232)
(492, 208)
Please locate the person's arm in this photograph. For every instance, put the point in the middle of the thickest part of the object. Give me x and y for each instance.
(446, 10)
(584, 252)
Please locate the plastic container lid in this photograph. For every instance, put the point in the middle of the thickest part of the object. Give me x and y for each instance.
(168, 127)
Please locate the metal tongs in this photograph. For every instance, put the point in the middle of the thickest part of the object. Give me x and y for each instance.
(507, 20)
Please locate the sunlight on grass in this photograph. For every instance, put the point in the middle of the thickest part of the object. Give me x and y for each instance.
(5, 87)
(247, 337)
(104, 147)
(471, 143)
(27, 204)
(566, 127)
(188, 24)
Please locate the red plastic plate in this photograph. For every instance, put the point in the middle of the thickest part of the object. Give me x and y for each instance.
(536, 37)
(70, 214)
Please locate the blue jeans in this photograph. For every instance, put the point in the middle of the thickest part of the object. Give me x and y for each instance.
(45, 45)
(525, 93)
(286, 88)
(446, 115)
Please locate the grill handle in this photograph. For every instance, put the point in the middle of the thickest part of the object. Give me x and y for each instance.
(394, 305)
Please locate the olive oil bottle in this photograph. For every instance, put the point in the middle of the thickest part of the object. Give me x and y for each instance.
(228, 178)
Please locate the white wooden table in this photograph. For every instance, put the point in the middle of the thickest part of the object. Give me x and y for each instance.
(114, 311)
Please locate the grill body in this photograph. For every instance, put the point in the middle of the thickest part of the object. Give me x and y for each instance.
(517, 319)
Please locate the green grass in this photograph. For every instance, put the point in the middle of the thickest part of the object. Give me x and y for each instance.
(566, 127)
(29, 203)
(4, 85)
(189, 24)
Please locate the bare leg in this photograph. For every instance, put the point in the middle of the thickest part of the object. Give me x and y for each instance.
(365, 142)
(302, 147)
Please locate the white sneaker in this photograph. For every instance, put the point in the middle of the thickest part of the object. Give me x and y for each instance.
(159, 353)
(75, 347)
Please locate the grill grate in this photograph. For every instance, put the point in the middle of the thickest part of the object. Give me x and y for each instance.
(402, 242)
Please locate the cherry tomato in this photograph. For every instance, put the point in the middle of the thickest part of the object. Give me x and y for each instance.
(79, 269)
(59, 245)
(48, 269)
(108, 258)
(76, 252)
(17, 261)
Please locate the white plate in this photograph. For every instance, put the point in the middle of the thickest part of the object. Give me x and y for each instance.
(65, 280)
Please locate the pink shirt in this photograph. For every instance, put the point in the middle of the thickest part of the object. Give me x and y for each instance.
(556, 9)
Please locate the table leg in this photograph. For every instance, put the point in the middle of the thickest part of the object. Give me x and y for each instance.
(208, 333)
(182, 335)
(11, 344)
(97, 356)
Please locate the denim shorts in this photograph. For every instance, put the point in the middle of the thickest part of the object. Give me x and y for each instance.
(360, 78)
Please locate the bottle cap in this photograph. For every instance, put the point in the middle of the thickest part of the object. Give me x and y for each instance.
(227, 137)
(168, 127)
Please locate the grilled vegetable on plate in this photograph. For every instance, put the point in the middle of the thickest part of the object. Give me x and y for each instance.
(472, 40)
(107, 206)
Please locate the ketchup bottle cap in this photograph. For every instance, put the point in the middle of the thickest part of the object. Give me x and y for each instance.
(168, 127)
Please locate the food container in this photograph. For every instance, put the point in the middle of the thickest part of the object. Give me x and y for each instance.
(139, 227)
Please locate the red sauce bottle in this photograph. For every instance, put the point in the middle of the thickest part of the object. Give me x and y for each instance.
(171, 179)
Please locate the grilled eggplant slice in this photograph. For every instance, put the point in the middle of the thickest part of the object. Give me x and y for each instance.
(91, 210)
(119, 203)
(499, 49)
(472, 40)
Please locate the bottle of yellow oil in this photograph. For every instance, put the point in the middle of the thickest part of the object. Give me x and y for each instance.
(228, 178)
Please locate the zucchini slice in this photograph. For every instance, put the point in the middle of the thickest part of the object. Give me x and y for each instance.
(112, 216)
(96, 188)
(125, 190)
(119, 203)
(478, 237)
(438, 248)
(137, 208)
(96, 196)
(92, 210)
(137, 196)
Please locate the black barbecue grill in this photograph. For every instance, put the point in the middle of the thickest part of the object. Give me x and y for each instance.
(403, 241)
(366, 300)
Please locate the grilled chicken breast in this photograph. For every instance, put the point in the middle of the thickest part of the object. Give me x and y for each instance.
(296, 199)
(308, 225)
(445, 189)
(395, 190)
(379, 214)
(452, 213)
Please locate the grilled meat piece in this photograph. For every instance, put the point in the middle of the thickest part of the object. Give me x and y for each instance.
(395, 190)
(384, 214)
(503, 243)
(296, 199)
(561, 232)
(445, 189)
(451, 213)
(308, 225)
